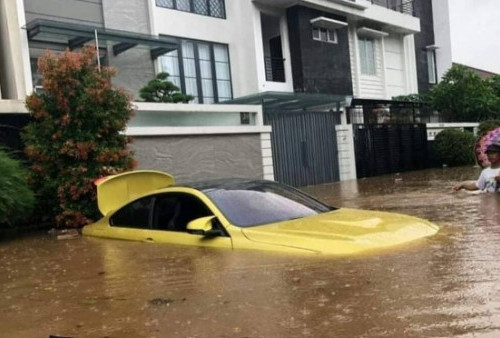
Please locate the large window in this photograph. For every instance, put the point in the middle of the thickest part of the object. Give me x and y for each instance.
(367, 56)
(200, 69)
(214, 8)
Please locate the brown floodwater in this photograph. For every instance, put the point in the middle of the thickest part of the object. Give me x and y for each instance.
(444, 286)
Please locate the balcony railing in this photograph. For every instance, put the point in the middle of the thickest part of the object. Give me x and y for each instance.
(402, 6)
(275, 69)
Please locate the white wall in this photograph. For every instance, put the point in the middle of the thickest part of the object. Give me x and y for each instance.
(442, 35)
(346, 156)
(396, 72)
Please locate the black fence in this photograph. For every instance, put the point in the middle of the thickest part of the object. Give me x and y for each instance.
(392, 112)
(390, 148)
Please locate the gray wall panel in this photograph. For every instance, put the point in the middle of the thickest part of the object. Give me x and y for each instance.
(193, 158)
(81, 11)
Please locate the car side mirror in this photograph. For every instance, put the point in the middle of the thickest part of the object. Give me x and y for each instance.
(203, 226)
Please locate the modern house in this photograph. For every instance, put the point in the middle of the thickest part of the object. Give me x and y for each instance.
(295, 65)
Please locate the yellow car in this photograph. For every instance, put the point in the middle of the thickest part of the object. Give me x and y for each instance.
(147, 206)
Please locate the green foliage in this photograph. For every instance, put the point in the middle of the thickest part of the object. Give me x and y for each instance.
(463, 96)
(454, 147)
(419, 98)
(75, 136)
(486, 126)
(16, 198)
(162, 90)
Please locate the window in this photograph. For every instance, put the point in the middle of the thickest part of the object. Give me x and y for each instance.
(431, 66)
(213, 8)
(367, 56)
(324, 35)
(173, 211)
(200, 69)
(134, 215)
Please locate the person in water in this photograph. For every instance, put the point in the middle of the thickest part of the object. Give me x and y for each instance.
(489, 180)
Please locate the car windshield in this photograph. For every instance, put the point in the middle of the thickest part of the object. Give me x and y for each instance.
(259, 203)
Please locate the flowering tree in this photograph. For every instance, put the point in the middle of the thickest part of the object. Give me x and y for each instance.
(74, 135)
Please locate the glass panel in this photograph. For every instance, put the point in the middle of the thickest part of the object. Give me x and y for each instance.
(200, 7)
(183, 5)
(367, 56)
(189, 65)
(165, 3)
(169, 63)
(220, 53)
(133, 215)
(332, 35)
(222, 71)
(370, 57)
(322, 34)
(205, 64)
(315, 33)
(217, 8)
(431, 66)
(224, 90)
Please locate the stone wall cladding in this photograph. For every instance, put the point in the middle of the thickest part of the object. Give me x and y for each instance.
(197, 158)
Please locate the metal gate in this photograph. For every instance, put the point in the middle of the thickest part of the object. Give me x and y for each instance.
(389, 148)
(304, 147)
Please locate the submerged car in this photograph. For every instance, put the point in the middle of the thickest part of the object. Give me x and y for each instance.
(148, 206)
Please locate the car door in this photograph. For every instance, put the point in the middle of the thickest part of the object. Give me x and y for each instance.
(163, 218)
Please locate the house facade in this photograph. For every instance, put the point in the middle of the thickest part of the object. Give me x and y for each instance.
(284, 55)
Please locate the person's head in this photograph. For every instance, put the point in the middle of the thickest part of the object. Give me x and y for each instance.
(493, 153)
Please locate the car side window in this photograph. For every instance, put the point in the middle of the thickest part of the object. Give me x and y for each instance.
(134, 215)
(173, 211)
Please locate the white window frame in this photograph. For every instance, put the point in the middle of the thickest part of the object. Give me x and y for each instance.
(330, 34)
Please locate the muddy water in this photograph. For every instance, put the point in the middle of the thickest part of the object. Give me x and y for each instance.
(445, 286)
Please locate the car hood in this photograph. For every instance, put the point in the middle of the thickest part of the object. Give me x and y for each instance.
(343, 231)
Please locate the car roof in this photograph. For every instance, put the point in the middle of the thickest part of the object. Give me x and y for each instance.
(225, 184)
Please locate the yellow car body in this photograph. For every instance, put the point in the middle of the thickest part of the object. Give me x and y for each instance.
(132, 207)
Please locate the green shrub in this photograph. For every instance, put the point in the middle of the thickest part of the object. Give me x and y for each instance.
(75, 136)
(454, 147)
(486, 126)
(16, 198)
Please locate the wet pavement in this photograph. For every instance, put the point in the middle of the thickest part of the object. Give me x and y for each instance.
(444, 286)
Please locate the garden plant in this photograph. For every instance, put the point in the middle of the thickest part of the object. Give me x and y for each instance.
(16, 198)
(75, 135)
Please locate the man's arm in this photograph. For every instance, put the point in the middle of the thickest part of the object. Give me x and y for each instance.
(467, 185)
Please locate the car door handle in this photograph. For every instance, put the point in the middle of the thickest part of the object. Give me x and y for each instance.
(149, 240)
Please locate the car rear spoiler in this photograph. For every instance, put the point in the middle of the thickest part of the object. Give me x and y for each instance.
(117, 190)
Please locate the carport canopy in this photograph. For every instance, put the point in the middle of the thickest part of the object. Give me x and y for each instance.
(273, 101)
(73, 36)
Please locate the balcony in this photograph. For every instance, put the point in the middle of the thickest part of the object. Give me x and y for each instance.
(275, 69)
(402, 6)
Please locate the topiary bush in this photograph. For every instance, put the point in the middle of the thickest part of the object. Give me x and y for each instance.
(454, 147)
(16, 198)
(75, 135)
(161, 89)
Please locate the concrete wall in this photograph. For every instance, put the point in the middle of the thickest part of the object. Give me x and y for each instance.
(345, 150)
(15, 80)
(202, 157)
